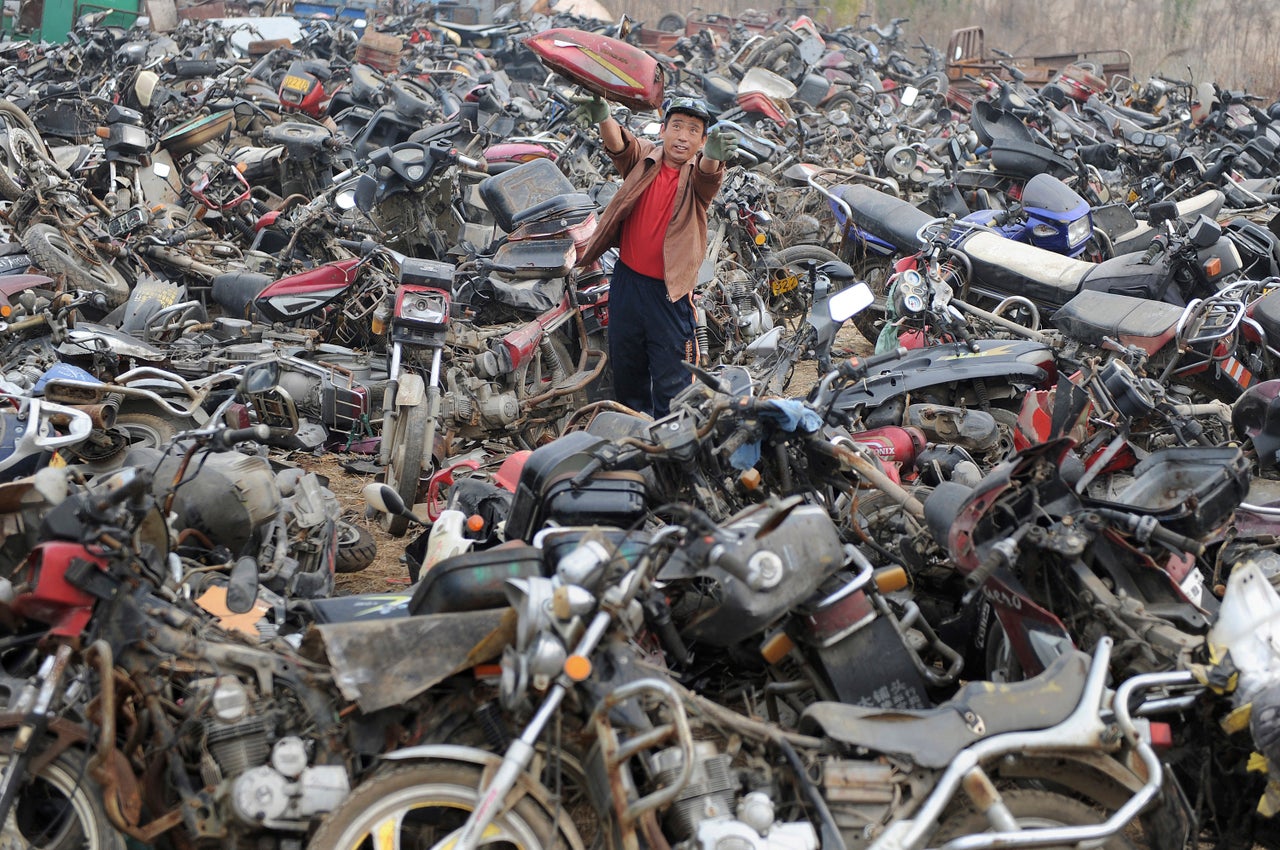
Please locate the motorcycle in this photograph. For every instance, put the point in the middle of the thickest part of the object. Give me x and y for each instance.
(661, 750)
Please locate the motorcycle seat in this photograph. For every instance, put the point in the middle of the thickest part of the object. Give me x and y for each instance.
(70, 157)
(1208, 202)
(1092, 316)
(884, 216)
(566, 205)
(932, 738)
(1266, 312)
(1018, 269)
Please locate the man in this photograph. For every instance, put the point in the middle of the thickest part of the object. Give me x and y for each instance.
(658, 221)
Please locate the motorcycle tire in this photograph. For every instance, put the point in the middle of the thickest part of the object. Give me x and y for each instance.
(51, 251)
(671, 22)
(875, 271)
(408, 456)
(22, 144)
(60, 808)
(1033, 809)
(146, 430)
(789, 308)
(356, 548)
(427, 802)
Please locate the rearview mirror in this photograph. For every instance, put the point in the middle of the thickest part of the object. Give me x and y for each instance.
(850, 301)
(242, 585)
(260, 377)
(384, 499)
(909, 95)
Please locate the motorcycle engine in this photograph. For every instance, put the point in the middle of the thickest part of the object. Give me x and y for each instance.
(266, 778)
(704, 815)
(473, 402)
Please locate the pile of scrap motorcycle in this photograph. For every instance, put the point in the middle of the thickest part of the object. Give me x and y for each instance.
(1006, 582)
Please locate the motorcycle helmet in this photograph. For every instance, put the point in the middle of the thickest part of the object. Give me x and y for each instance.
(1256, 416)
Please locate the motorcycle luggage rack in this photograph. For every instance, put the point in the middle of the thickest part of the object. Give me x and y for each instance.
(1209, 320)
(275, 408)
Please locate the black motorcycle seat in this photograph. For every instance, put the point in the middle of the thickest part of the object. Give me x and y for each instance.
(1266, 311)
(1091, 316)
(235, 292)
(884, 216)
(1018, 269)
(1027, 159)
(932, 738)
(1146, 120)
(356, 608)
(557, 205)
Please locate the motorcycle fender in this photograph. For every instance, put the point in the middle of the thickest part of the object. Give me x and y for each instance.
(363, 672)
(490, 762)
(411, 391)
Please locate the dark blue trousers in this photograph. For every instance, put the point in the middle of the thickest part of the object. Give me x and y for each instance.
(649, 337)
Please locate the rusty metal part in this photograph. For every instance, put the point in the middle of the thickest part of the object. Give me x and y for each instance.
(868, 470)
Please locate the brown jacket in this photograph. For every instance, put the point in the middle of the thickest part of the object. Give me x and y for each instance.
(686, 242)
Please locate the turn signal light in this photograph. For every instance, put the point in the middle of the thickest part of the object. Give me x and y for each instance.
(577, 667)
(475, 523)
(1213, 266)
(5, 311)
(776, 647)
(242, 167)
(102, 132)
(760, 239)
(750, 479)
(889, 579)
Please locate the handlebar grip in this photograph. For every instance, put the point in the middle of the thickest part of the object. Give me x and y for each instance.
(853, 367)
(736, 440)
(991, 563)
(473, 164)
(229, 437)
(1174, 540)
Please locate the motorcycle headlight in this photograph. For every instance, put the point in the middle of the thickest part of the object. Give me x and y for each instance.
(1078, 231)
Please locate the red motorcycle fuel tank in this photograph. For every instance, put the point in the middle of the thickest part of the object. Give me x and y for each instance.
(50, 597)
(613, 69)
(297, 295)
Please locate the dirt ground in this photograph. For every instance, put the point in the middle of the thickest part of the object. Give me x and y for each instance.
(387, 572)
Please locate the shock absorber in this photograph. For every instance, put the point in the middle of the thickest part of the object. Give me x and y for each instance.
(549, 355)
(700, 334)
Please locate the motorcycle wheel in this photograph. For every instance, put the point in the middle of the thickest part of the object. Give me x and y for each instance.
(536, 376)
(423, 804)
(790, 307)
(1033, 809)
(59, 809)
(146, 430)
(408, 451)
(356, 548)
(875, 271)
(22, 147)
(51, 251)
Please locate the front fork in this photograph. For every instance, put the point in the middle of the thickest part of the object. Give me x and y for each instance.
(34, 703)
(389, 411)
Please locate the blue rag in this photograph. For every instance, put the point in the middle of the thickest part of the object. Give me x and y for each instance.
(788, 414)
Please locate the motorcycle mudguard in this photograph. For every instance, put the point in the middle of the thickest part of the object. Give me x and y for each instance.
(613, 69)
(1017, 362)
(411, 391)
(374, 678)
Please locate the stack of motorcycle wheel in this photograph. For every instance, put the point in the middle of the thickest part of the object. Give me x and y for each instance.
(964, 533)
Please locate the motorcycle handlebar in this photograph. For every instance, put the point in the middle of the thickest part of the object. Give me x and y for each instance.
(855, 367)
(228, 437)
(1147, 528)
